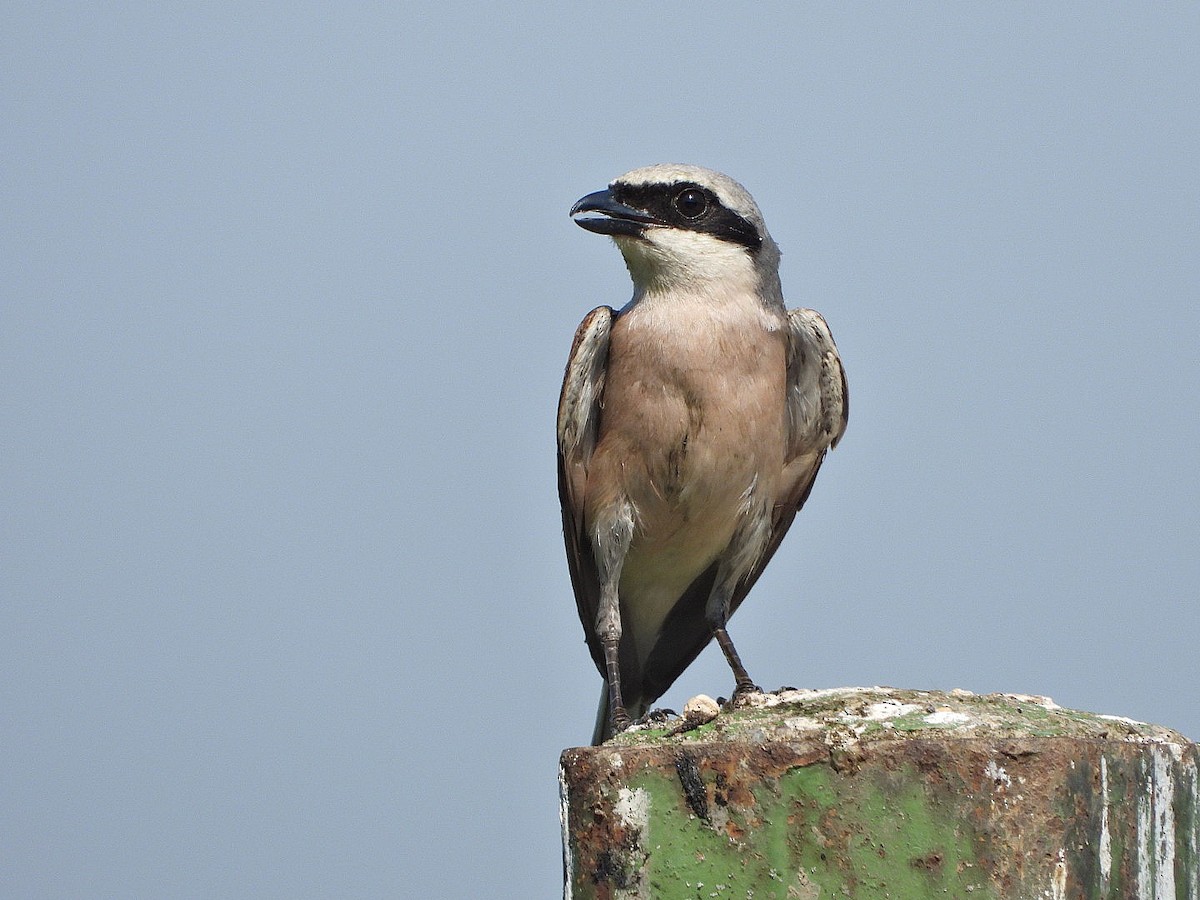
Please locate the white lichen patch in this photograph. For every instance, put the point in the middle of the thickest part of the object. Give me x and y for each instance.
(1124, 720)
(947, 717)
(840, 737)
(885, 713)
(997, 775)
(1163, 799)
(568, 858)
(1190, 788)
(1156, 826)
(1145, 854)
(801, 723)
(633, 808)
(888, 709)
(805, 695)
(1058, 880)
(1105, 845)
(1035, 700)
(804, 888)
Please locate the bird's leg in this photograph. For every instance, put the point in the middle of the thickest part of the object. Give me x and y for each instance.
(618, 717)
(742, 682)
(611, 544)
(717, 613)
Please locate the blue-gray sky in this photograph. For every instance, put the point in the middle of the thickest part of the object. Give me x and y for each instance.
(285, 295)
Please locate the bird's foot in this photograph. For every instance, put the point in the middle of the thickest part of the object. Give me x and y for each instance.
(746, 687)
(742, 690)
(659, 716)
(620, 720)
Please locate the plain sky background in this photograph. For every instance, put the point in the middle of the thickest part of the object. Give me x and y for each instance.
(286, 291)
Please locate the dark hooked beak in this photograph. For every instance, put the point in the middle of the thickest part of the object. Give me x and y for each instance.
(610, 216)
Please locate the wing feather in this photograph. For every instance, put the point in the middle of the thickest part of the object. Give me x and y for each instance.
(818, 401)
(818, 409)
(579, 407)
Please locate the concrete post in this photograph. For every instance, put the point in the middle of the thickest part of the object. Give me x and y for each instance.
(884, 793)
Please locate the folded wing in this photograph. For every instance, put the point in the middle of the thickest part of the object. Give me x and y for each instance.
(578, 426)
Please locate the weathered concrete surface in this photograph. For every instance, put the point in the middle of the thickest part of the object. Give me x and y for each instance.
(876, 793)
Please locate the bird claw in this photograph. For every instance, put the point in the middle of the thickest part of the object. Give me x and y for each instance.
(620, 721)
(742, 693)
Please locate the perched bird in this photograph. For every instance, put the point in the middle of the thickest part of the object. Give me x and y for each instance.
(691, 426)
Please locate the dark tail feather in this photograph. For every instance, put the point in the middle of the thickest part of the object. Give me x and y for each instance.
(602, 732)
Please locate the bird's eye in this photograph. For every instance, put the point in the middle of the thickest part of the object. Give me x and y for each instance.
(691, 203)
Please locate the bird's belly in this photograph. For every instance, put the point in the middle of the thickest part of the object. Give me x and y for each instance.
(684, 521)
(693, 437)
(657, 571)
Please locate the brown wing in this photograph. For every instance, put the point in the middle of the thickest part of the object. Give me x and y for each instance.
(578, 425)
(818, 407)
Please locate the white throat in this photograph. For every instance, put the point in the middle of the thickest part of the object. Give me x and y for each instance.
(672, 262)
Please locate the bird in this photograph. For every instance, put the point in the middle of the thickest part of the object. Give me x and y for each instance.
(691, 426)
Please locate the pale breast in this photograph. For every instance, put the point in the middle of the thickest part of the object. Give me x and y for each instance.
(693, 423)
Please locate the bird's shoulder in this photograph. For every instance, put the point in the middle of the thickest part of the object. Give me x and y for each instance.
(583, 380)
(595, 327)
(818, 397)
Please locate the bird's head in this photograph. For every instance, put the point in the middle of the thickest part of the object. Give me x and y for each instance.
(684, 227)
